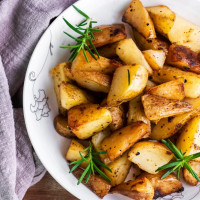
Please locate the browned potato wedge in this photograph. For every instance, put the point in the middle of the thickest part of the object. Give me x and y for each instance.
(155, 58)
(188, 176)
(120, 169)
(150, 84)
(58, 74)
(169, 90)
(128, 82)
(159, 43)
(183, 58)
(97, 140)
(109, 34)
(129, 53)
(188, 140)
(163, 187)
(62, 127)
(96, 184)
(87, 119)
(139, 189)
(162, 17)
(170, 126)
(192, 80)
(108, 51)
(136, 111)
(156, 107)
(73, 153)
(123, 139)
(103, 65)
(137, 16)
(149, 156)
(185, 33)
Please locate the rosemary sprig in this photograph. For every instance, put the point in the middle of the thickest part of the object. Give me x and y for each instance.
(181, 161)
(129, 78)
(93, 164)
(85, 31)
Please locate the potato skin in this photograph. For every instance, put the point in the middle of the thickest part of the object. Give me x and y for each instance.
(123, 139)
(108, 51)
(88, 119)
(139, 189)
(109, 34)
(183, 58)
(137, 17)
(96, 184)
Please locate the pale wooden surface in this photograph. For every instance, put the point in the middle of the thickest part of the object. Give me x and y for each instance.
(48, 189)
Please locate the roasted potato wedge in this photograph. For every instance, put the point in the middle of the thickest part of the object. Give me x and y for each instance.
(96, 183)
(185, 33)
(192, 80)
(183, 58)
(87, 119)
(163, 187)
(121, 140)
(150, 84)
(156, 107)
(139, 189)
(108, 51)
(170, 126)
(62, 127)
(159, 43)
(120, 169)
(129, 53)
(169, 90)
(128, 82)
(137, 16)
(102, 65)
(188, 176)
(149, 156)
(109, 34)
(155, 58)
(97, 140)
(189, 139)
(162, 17)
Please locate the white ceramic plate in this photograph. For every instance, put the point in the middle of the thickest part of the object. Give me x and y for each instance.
(40, 105)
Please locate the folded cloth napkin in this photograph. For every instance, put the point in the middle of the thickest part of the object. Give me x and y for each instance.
(22, 22)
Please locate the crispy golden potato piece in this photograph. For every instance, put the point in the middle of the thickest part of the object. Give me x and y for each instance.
(62, 127)
(120, 169)
(155, 58)
(139, 189)
(108, 51)
(185, 33)
(156, 107)
(183, 58)
(73, 153)
(129, 53)
(137, 16)
(163, 187)
(109, 34)
(169, 90)
(87, 119)
(170, 126)
(189, 139)
(150, 84)
(96, 183)
(136, 111)
(97, 140)
(118, 115)
(149, 156)
(188, 176)
(128, 82)
(102, 65)
(192, 80)
(159, 43)
(94, 81)
(123, 139)
(162, 17)
(58, 75)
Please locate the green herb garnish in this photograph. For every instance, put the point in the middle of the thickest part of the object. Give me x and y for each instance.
(181, 161)
(85, 31)
(93, 164)
(129, 78)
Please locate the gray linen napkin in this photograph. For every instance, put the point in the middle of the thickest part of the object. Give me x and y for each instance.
(22, 22)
